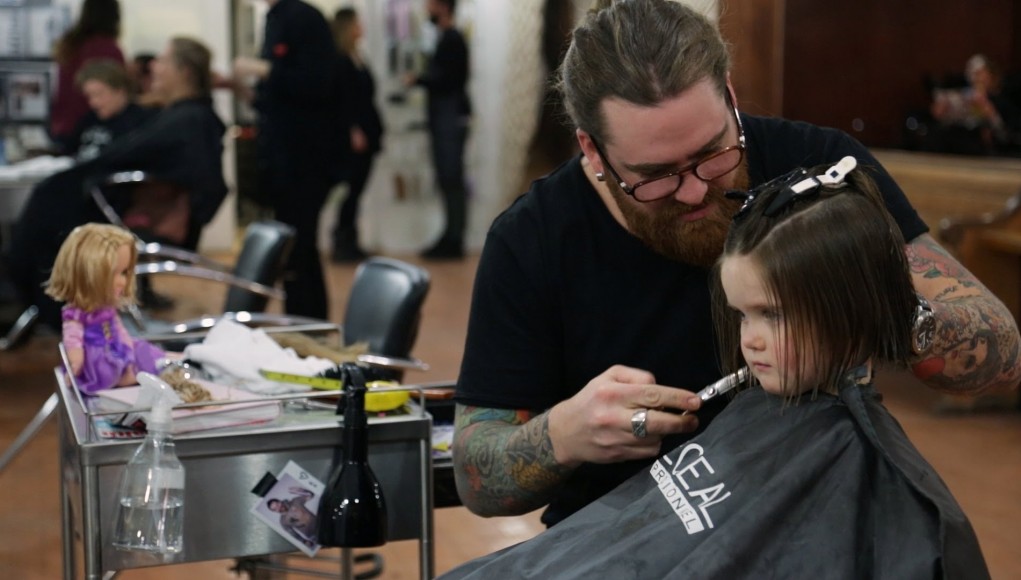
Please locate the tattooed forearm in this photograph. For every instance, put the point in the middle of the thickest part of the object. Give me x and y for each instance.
(503, 461)
(977, 339)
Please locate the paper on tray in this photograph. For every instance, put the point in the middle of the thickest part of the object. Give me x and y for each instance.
(248, 408)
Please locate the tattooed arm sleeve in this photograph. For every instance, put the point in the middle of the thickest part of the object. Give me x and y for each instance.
(976, 345)
(503, 461)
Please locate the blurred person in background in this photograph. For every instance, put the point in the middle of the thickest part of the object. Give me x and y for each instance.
(449, 111)
(980, 119)
(298, 136)
(93, 36)
(108, 89)
(180, 149)
(358, 93)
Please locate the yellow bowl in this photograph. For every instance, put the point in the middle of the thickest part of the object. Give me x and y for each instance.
(379, 402)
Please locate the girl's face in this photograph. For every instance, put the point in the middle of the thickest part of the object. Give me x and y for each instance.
(121, 271)
(767, 348)
(103, 99)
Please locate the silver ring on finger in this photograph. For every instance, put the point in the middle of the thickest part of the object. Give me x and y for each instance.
(638, 427)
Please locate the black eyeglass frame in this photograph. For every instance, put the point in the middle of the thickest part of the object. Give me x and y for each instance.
(690, 168)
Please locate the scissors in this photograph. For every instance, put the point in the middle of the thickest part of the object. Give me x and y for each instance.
(723, 385)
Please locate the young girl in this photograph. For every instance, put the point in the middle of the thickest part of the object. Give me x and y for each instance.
(805, 474)
(94, 274)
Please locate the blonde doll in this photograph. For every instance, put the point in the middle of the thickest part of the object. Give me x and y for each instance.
(94, 275)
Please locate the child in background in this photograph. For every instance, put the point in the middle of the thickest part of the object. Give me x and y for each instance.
(107, 88)
(805, 474)
(94, 275)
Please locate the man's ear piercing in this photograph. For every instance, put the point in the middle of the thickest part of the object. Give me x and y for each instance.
(600, 176)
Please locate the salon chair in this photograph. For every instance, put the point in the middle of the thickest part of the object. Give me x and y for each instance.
(384, 309)
(251, 284)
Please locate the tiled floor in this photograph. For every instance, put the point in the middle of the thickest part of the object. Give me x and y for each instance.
(978, 455)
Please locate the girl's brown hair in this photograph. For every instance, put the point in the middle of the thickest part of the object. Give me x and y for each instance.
(833, 261)
(83, 271)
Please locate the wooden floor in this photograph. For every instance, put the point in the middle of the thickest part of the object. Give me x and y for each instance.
(978, 455)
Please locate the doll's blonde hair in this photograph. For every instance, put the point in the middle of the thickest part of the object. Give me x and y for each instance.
(83, 272)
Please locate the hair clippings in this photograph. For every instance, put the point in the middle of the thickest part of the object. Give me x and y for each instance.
(803, 186)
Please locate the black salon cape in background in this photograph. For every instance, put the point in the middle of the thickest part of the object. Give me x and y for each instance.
(830, 488)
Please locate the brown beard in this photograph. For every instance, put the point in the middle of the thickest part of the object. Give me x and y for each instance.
(659, 224)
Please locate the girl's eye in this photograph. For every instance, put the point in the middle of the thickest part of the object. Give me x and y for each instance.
(772, 315)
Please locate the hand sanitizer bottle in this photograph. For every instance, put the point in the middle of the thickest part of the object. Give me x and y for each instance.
(151, 512)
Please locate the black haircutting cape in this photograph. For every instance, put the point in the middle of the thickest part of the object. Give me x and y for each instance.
(824, 488)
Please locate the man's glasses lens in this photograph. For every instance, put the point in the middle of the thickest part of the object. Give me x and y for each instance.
(718, 165)
(708, 169)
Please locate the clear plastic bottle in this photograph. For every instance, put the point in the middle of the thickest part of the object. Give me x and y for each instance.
(151, 511)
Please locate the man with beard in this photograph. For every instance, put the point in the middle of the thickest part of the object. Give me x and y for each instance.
(590, 323)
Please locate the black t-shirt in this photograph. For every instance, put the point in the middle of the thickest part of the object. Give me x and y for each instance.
(358, 99)
(182, 145)
(446, 76)
(299, 124)
(563, 292)
(92, 135)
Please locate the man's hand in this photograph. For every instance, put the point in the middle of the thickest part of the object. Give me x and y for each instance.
(506, 461)
(595, 425)
(246, 66)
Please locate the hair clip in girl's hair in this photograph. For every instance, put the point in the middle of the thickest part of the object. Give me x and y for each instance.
(750, 195)
(835, 175)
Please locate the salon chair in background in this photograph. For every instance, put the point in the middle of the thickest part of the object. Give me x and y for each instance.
(168, 218)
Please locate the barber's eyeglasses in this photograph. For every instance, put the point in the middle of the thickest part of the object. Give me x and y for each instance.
(713, 166)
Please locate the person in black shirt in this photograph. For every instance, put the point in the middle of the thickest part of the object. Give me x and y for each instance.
(358, 92)
(298, 137)
(448, 112)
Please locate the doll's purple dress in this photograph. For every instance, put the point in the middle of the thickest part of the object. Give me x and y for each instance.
(108, 348)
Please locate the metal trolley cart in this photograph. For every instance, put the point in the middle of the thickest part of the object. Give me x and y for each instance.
(222, 466)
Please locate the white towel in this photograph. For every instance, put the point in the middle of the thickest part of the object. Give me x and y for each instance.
(233, 353)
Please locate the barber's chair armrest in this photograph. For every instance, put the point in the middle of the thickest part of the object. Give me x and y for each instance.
(952, 229)
(122, 177)
(397, 363)
(194, 271)
(95, 189)
(195, 328)
(155, 251)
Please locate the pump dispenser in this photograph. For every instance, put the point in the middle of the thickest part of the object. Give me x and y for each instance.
(352, 511)
(151, 511)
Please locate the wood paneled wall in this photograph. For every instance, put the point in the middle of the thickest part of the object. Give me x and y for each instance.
(860, 65)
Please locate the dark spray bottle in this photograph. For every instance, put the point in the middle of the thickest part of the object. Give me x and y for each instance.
(352, 512)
